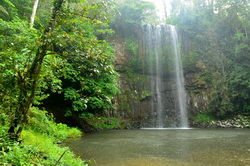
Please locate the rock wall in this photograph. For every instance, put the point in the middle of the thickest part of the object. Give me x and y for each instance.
(136, 104)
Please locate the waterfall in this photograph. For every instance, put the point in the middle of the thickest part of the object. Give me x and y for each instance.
(163, 59)
(158, 70)
(153, 41)
(181, 94)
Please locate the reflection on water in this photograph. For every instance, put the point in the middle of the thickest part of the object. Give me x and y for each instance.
(151, 147)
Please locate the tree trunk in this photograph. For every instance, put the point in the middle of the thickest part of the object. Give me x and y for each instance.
(27, 82)
(32, 17)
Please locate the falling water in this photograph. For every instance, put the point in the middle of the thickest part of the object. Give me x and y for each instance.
(153, 41)
(158, 69)
(181, 95)
(161, 42)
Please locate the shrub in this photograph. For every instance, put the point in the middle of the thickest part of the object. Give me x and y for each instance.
(41, 122)
(203, 117)
(38, 143)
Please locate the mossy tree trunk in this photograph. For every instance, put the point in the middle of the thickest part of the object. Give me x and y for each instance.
(27, 82)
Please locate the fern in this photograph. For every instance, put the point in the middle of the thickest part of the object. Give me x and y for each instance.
(9, 3)
(2, 9)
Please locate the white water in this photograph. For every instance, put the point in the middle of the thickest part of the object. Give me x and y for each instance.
(153, 41)
(161, 42)
(158, 78)
(181, 94)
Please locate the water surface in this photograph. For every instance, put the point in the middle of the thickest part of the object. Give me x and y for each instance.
(165, 147)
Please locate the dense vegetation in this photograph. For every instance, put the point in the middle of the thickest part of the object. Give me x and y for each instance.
(62, 52)
(219, 35)
(62, 55)
(58, 50)
(217, 51)
(38, 143)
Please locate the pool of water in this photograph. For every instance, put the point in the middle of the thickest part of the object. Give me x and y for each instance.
(163, 147)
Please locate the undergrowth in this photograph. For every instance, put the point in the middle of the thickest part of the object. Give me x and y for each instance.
(102, 123)
(203, 117)
(38, 143)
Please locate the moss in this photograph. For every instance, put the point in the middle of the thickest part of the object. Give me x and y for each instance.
(102, 123)
(203, 117)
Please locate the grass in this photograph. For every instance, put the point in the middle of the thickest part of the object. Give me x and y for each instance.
(38, 146)
(45, 146)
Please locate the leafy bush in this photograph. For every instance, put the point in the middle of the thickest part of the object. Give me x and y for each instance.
(36, 149)
(203, 117)
(41, 122)
(14, 154)
(47, 148)
(38, 143)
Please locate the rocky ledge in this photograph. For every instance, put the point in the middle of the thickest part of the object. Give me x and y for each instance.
(238, 122)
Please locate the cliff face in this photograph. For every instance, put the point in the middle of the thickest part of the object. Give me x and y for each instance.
(138, 105)
(138, 101)
(122, 57)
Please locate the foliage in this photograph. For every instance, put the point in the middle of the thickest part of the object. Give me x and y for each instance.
(28, 78)
(2, 9)
(127, 25)
(190, 61)
(132, 15)
(89, 77)
(41, 122)
(7, 8)
(131, 46)
(47, 147)
(203, 117)
(102, 123)
(17, 155)
(61, 56)
(38, 143)
(16, 45)
(240, 89)
(218, 31)
(135, 62)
